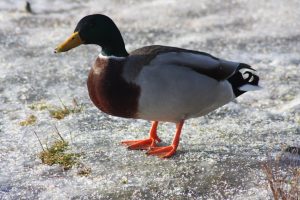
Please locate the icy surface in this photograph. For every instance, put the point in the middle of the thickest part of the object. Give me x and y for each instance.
(219, 155)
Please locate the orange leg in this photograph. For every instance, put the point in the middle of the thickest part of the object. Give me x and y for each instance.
(146, 143)
(168, 151)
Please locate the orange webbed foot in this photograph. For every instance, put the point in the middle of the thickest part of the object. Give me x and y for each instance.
(146, 143)
(162, 152)
(140, 144)
(150, 143)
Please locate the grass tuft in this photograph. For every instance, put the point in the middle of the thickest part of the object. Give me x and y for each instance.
(58, 153)
(284, 182)
(57, 112)
(63, 111)
(31, 119)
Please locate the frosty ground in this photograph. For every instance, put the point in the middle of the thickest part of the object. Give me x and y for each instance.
(220, 155)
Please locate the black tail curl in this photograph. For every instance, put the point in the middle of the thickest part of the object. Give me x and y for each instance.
(237, 80)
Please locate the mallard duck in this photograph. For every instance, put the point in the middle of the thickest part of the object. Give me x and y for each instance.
(156, 83)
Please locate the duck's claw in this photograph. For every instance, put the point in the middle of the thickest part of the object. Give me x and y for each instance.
(162, 152)
(140, 144)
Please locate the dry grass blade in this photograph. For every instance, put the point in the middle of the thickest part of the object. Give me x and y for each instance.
(270, 179)
(39, 140)
(62, 103)
(57, 132)
(284, 182)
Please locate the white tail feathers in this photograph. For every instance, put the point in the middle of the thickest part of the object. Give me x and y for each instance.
(249, 87)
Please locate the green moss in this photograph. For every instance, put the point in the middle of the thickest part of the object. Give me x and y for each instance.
(59, 113)
(124, 180)
(63, 111)
(39, 106)
(57, 154)
(31, 119)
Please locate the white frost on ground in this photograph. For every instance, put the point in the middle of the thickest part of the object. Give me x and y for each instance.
(219, 155)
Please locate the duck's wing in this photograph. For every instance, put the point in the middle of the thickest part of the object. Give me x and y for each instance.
(200, 62)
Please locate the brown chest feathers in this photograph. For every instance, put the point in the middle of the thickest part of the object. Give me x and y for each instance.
(109, 91)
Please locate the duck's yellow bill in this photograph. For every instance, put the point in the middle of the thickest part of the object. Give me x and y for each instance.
(72, 42)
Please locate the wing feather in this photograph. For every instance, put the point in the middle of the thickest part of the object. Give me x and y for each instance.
(200, 62)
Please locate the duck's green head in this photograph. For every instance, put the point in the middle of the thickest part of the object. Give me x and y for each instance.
(96, 29)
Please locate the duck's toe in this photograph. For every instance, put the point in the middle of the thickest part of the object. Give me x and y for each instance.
(162, 152)
(140, 144)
